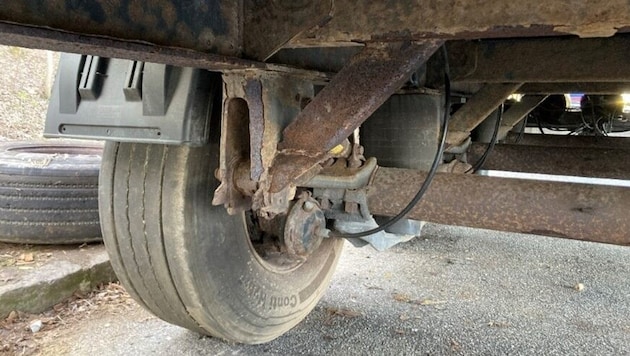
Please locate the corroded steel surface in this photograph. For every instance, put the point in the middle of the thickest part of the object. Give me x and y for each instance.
(269, 25)
(16, 35)
(517, 112)
(581, 87)
(254, 98)
(206, 26)
(477, 109)
(232, 27)
(577, 211)
(267, 104)
(571, 141)
(365, 20)
(258, 28)
(352, 96)
(566, 59)
(572, 161)
(304, 228)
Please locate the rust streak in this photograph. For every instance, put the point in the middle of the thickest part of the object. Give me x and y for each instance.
(360, 88)
(577, 211)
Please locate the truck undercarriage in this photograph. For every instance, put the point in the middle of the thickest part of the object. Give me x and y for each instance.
(247, 138)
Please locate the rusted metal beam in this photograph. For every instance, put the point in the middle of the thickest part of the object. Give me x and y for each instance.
(517, 112)
(249, 28)
(570, 161)
(576, 211)
(352, 96)
(546, 60)
(205, 26)
(256, 109)
(269, 25)
(563, 88)
(366, 20)
(16, 35)
(258, 28)
(323, 59)
(477, 109)
(571, 141)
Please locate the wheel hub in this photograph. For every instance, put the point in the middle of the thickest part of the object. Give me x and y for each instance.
(305, 227)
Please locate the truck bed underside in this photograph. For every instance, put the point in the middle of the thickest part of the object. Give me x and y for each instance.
(272, 53)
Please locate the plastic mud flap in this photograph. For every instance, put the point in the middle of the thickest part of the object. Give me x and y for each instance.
(130, 101)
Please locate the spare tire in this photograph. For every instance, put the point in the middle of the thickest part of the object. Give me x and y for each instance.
(49, 192)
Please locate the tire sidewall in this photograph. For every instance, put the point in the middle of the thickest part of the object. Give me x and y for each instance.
(217, 257)
(50, 159)
(48, 192)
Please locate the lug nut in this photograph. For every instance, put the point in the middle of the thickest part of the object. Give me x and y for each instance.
(308, 206)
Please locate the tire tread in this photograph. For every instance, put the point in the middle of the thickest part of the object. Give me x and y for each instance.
(150, 283)
(174, 252)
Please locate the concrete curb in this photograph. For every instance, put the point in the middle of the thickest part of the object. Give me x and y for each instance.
(53, 282)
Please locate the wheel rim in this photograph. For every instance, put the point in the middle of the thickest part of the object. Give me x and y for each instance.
(268, 250)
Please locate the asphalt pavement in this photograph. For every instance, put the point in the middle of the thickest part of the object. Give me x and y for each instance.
(452, 291)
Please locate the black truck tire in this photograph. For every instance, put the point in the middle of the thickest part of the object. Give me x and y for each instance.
(190, 263)
(49, 192)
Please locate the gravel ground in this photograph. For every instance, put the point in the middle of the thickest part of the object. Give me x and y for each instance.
(25, 81)
(26, 77)
(454, 291)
